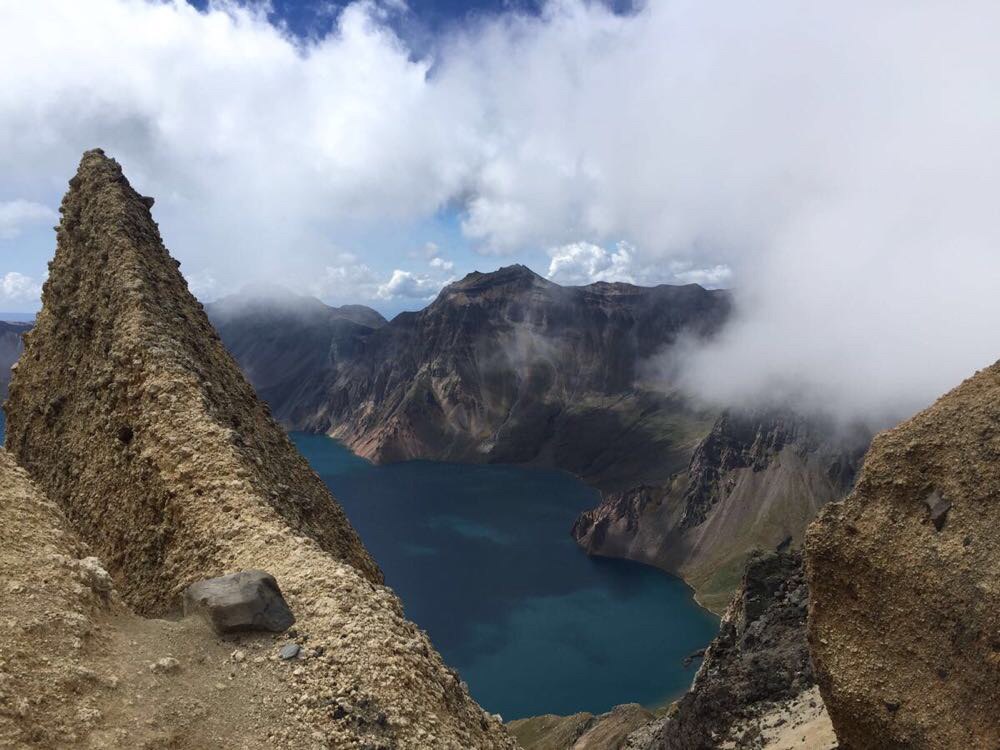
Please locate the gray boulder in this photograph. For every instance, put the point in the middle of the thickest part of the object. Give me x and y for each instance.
(248, 600)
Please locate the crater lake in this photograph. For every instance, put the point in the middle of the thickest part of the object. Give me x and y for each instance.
(482, 559)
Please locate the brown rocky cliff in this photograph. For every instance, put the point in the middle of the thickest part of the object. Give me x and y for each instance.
(754, 482)
(760, 658)
(126, 410)
(502, 367)
(125, 383)
(904, 623)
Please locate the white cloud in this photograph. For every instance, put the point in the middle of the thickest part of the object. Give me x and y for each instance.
(203, 285)
(714, 277)
(409, 285)
(16, 288)
(429, 251)
(348, 281)
(441, 264)
(580, 263)
(18, 214)
(841, 159)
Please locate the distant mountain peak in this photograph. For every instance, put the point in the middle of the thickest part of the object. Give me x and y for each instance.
(515, 275)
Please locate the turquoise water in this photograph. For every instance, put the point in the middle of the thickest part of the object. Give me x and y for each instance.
(482, 559)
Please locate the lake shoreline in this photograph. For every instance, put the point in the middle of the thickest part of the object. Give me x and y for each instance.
(535, 625)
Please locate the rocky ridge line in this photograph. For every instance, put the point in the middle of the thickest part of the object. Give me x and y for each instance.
(126, 411)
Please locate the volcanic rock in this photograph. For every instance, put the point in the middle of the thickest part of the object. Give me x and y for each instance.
(754, 482)
(759, 659)
(248, 600)
(204, 482)
(904, 623)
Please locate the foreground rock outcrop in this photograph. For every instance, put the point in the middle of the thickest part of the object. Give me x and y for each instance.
(754, 482)
(904, 574)
(756, 675)
(129, 415)
(79, 670)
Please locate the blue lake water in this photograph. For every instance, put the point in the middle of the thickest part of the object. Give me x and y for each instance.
(482, 559)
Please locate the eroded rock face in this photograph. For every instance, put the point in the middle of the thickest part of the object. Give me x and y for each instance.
(759, 658)
(248, 600)
(754, 482)
(129, 414)
(904, 623)
(502, 367)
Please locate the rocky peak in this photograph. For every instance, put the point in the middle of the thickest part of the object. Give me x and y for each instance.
(130, 416)
(121, 348)
(511, 277)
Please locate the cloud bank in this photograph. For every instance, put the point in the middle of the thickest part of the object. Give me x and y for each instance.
(16, 288)
(17, 215)
(836, 163)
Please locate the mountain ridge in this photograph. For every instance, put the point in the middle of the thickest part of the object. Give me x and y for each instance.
(509, 367)
(132, 425)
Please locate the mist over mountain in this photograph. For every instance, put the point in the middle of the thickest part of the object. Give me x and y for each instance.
(508, 367)
(837, 163)
(501, 367)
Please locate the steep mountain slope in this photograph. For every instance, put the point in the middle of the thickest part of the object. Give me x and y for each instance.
(127, 412)
(755, 481)
(509, 367)
(755, 669)
(904, 574)
(286, 343)
(10, 350)
(502, 367)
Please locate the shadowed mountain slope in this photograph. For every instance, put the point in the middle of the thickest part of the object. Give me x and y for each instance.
(754, 482)
(284, 342)
(505, 367)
